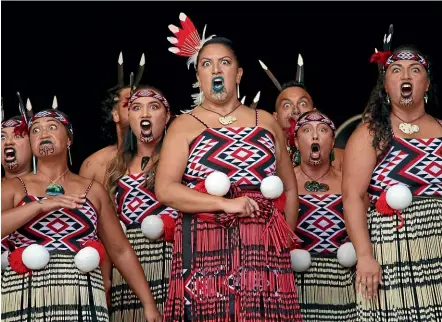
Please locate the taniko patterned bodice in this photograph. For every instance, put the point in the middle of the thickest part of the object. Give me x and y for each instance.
(414, 162)
(61, 229)
(135, 202)
(321, 224)
(245, 154)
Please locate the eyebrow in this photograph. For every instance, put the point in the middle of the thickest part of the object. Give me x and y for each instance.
(218, 58)
(400, 65)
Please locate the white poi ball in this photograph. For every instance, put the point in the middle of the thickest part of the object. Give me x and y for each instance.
(35, 257)
(87, 259)
(152, 227)
(217, 184)
(347, 255)
(123, 226)
(301, 260)
(399, 197)
(5, 259)
(272, 187)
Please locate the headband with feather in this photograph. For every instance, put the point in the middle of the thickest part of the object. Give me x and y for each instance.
(139, 75)
(187, 41)
(299, 73)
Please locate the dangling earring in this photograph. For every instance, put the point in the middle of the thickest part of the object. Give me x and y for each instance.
(34, 164)
(387, 99)
(237, 90)
(332, 156)
(426, 97)
(69, 154)
(297, 158)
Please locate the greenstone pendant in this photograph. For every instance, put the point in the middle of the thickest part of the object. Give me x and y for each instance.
(314, 186)
(54, 190)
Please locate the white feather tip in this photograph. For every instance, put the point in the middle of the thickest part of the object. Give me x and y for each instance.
(388, 38)
(174, 50)
(55, 103)
(172, 40)
(243, 100)
(300, 60)
(174, 28)
(28, 105)
(120, 58)
(375, 50)
(256, 99)
(262, 65)
(183, 16)
(142, 60)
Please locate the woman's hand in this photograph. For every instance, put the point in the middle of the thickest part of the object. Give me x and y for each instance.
(242, 206)
(151, 314)
(368, 276)
(69, 201)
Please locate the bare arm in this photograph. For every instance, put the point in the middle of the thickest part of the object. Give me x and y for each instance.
(359, 162)
(87, 169)
(119, 249)
(173, 160)
(284, 170)
(15, 217)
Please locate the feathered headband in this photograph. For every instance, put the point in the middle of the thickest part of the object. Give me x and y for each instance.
(187, 41)
(386, 57)
(19, 123)
(54, 113)
(299, 73)
(314, 116)
(140, 72)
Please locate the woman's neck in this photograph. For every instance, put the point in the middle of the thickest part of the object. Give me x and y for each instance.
(408, 114)
(52, 168)
(316, 172)
(223, 108)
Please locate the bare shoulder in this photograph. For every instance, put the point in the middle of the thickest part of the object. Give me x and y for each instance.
(101, 157)
(97, 194)
(362, 132)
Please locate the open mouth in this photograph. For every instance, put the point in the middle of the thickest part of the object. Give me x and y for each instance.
(406, 90)
(315, 151)
(10, 155)
(146, 131)
(218, 83)
(45, 142)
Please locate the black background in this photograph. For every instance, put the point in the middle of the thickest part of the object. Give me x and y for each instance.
(71, 50)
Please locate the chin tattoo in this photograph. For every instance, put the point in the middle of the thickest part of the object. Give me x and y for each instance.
(46, 149)
(406, 101)
(315, 162)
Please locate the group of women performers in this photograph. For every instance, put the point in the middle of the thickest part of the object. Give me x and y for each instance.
(231, 214)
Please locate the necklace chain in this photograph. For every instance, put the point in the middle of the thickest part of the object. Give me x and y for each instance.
(54, 181)
(317, 180)
(220, 113)
(410, 121)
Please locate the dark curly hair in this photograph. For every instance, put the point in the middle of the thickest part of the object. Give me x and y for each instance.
(378, 110)
(108, 129)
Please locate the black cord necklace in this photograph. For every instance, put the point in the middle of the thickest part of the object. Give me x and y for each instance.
(314, 185)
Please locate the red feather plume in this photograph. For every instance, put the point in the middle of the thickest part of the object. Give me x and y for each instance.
(380, 57)
(187, 40)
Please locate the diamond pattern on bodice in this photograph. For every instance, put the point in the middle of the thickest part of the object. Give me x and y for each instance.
(321, 224)
(245, 154)
(62, 229)
(416, 163)
(135, 202)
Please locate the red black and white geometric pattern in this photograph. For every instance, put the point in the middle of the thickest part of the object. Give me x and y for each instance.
(62, 229)
(414, 162)
(321, 224)
(135, 202)
(5, 244)
(245, 154)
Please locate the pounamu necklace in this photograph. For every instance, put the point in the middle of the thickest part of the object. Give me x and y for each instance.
(54, 189)
(225, 119)
(314, 185)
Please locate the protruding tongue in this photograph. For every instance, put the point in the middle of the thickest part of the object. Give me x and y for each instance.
(406, 90)
(315, 151)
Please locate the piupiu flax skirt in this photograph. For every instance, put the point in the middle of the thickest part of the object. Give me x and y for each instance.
(411, 262)
(57, 293)
(156, 259)
(326, 290)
